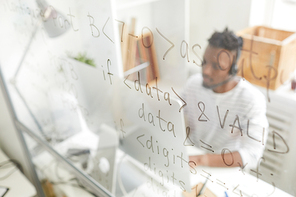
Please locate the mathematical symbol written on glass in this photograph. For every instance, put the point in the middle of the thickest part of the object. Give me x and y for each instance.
(202, 108)
(207, 176)
(207, 146)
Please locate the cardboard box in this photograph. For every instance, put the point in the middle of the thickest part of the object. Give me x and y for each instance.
(268, 56)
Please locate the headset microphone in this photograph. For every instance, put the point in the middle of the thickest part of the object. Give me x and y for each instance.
(220, 84)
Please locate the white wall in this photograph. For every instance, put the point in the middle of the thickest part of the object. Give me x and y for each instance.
(207, 16)
(259, 14)
(278, 14)
(284, 15)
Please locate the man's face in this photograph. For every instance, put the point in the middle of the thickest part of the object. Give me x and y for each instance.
(216, 65)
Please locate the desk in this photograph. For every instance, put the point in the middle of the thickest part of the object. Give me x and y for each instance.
(234, 181)
(17, 183)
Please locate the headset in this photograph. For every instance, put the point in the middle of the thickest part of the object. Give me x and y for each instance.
(233, 70)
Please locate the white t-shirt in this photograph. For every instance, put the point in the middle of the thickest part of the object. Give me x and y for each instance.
(243, 104)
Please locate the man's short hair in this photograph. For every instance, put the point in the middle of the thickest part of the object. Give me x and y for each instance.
(226, 40)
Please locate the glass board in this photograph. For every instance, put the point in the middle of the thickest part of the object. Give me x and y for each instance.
(121, 93)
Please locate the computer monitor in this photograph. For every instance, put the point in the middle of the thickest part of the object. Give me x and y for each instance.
(153, 132)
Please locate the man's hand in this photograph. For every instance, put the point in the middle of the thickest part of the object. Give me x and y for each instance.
(199, 160)
(216, 160)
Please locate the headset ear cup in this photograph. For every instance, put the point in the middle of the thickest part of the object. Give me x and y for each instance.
(234, 69)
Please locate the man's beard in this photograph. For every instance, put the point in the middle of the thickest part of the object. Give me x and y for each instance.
(206, 85)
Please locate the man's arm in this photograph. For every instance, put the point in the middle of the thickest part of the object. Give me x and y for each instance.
(216, 160)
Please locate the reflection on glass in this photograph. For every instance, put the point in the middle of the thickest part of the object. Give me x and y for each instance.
(120, 100)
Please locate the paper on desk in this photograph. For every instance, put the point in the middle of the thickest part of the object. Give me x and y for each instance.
(84, 139)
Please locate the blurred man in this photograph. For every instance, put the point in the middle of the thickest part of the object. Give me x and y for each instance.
(225, 114)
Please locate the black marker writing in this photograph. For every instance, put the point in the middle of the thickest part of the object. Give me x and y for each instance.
(139, 140)
(121, 128)
(273, 184)
(222, 125)
(221, 183)
(274, 144)
(166, 155)
(209, 147)
(138, 87)
(208, 175)
(240, 192)
(187, 137)
(258, 166)
(269, 79)
(135, 36)
(122, 29)
(182, 185)
(71, 16)
(147, 45)
(186, 50)
(160, 119)
(168, 41)
(151, 144)
(167, 97)
(223, 156)
(182, 159)
(126, 83)
(202, 109)
(200, 59)
(137, 83)
(238, 127)
(157, 89)
(229, 58)
(242, 167)
(103, 72)
(169, 125)
(103, 30)
(192, 165)
(250, 58)
(241, 68)
(91, 24)
(148, 90)
(249, 134)
(181, 100)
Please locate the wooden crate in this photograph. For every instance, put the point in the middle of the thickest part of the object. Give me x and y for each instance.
(268, 56)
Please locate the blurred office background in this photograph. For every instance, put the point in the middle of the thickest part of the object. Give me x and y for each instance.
(193, 21)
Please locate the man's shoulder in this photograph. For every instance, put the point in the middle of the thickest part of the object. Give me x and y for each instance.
(195, 79)
(193, 84)
(251, 93)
